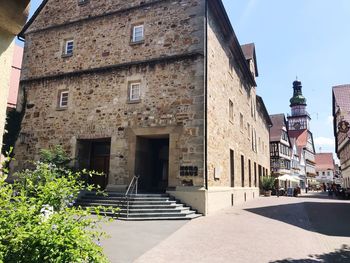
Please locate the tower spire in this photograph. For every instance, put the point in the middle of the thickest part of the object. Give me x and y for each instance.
(298, 98)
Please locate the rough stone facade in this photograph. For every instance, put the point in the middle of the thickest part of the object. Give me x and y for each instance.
(170, 65)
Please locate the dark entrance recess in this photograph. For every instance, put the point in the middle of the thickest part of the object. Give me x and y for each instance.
(152, 163)
(95, 155)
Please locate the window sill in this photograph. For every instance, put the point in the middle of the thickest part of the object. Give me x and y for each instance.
(66, 55)
(132, 43)
(61, 108)
(133, 101)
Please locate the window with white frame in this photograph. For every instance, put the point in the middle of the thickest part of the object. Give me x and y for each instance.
(138, 33)
(63, 102)
(68, 47)
(134, 92)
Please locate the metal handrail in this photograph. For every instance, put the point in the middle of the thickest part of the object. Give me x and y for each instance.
(133, 186)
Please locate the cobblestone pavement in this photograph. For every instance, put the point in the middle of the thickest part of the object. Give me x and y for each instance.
(312, 228)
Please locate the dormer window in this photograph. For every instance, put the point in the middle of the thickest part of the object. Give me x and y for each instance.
(138, 33)
(68, 47)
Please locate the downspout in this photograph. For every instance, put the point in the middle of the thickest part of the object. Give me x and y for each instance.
(20, 38)
(206, 95)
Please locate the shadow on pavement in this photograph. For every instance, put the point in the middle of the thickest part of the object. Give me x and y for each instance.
(321, 195)
(341, 255)
(330, 219)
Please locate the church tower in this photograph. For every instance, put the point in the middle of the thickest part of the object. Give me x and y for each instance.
(300, 118)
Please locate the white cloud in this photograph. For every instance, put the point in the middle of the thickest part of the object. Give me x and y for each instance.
(324, 142)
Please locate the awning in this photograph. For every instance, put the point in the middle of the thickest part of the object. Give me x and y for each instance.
(287, 177)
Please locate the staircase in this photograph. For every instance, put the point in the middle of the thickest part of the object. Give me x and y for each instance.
(139, 207)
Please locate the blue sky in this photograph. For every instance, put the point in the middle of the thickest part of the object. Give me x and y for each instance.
(305, 38)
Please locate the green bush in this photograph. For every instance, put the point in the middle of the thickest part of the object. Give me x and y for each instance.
(38, 222)
(268, 183)
(55, 155)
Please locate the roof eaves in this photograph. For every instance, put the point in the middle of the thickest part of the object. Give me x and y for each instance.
(224, 18)
(265, 112)
(31, 20)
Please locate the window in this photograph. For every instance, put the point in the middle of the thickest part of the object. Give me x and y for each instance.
(248, 128)
(250, 172)
(232, 168)
(241, 121)
(134, 92)
(63, 102)
(242, 170)
(231, 111)
(68, 47)
(255, 177)
(138, 33)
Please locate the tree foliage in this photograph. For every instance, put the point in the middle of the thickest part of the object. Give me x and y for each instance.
(268, 183)
(39, 222)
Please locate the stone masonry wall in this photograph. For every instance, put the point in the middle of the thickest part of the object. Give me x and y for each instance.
(172, 96)
(72, 11)
(226, 83)
(171, 28)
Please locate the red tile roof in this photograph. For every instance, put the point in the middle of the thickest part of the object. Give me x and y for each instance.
(278, 122)
(324, 161)
(300, 137)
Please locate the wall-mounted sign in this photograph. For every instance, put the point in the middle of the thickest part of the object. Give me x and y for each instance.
(343, 126)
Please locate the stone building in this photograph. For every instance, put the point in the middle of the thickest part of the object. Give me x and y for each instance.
(13, 15)
(156, 88)
(341, 120)
(299, 129)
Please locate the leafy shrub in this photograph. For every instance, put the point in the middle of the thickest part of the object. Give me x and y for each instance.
(38, 222)
(268, 183)
(55, 155)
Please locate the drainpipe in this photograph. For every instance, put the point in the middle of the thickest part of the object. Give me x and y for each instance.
(206, 95)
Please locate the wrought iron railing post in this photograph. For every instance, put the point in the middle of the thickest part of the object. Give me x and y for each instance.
(137, 183)
(133, 186)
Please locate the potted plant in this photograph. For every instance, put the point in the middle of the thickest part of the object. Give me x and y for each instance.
(267, 184)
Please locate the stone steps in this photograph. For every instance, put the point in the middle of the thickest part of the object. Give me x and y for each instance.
(141, 207)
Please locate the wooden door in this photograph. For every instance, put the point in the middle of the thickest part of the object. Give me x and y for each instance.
(99, 162)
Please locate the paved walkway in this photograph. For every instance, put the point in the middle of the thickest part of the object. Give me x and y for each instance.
(311, 228)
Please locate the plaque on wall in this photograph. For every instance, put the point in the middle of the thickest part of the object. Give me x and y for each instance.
(343, 126)
(188, 171)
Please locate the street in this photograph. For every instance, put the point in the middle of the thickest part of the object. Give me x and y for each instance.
(312, 228)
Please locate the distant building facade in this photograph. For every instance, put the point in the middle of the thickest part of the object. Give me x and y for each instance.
(325, 168)
(341, 120)
(280, 146)
(147, 89)
(13, 15)
(15, 77)
(299, 130)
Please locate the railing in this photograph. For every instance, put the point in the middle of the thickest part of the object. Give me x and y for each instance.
(133, 187)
